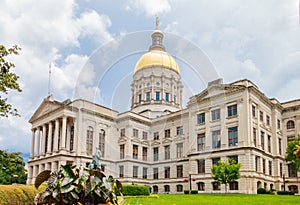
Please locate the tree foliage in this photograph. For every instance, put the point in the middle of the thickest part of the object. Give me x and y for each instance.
(8, 80)
(291, 153)
(12, 168)
(226, 172)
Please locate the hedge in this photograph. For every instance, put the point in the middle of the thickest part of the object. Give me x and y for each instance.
(17, 194)
(134, 190)
(285, 193)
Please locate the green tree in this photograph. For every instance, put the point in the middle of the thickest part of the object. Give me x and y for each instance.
(226, 172)
(8, 80)
(291, 156)
(12, 168)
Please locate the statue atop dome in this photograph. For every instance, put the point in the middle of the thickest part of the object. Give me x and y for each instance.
(157, 22)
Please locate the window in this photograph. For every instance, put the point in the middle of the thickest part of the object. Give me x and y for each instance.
(270, 168)
(261, 116)
(155, 189)
(121, 171)
(167, 172)
(262, 139)
(167, 97)
(122, 132)
(157, 96)
(89, 141)
(201, 118)
(201, 186)
(179, 130)
(268, 120)
(201, 141)
(145, 153)
(145, 172)
(232, 110)
(140, 98)
(293, 188)
(216, 139)
(215, 160)
(264, 166)
(280, 169)
(234, 185)
(235, 158)
(253, 111)
(201, 166)
(179, 150)
(122, 151)
(167, 188)
(145, 135)
(269, 143)
(155, 173)
(278, 124)
(148, 96)
(135, 171)
(256, 163)
(156, 136)
(167, 152)
(71, 139)
(155, 154)
(167, 133)
(279, 146)
(290, 124)
(233, 136)
(174, 98)
(216, 186)
(254, 136)
(102, 142)
(215, 114)
(179, 169)
(135, 132)
(135, 151)
(179, 188)
(292, 171)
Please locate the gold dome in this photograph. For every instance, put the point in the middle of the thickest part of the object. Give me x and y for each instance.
(156, 58)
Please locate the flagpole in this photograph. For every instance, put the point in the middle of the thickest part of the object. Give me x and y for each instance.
(49, 80)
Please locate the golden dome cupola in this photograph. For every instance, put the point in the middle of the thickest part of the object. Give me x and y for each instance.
(156, 86)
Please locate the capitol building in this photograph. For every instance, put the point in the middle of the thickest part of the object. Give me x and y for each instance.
(163, 145)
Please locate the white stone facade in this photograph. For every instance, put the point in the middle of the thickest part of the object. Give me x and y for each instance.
(166, 146)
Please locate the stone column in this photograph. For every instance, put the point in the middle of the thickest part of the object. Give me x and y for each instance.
(44, 139)
(49, 138)
(64, 126)
(38, 142)
(56, 129)
(32, 143)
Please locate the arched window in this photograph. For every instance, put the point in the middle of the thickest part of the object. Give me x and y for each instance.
(290, 124)
(102, 142)
(234, 185)
(167, 188)
(259, 184)
(216, 186)
(293, 188)
(179, 188)
(89, 140)
(265, 185)
(271, 186)
(201, 186)
(155, 189)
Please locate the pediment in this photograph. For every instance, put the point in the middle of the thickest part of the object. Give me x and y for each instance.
(155, 143)
(136, 140)
(145, 143)
(165, 141)
(177, 139)
(122, 140)
(48, 105)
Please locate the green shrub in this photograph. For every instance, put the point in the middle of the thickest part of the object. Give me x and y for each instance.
(17, 194)
(261, 191)
(134, 190)
(285, 193)
(186, 191)
(194, 192)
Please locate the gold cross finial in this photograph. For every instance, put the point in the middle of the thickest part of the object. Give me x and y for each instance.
(157, 22)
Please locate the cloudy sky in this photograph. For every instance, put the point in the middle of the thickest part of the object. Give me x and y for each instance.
(257, 40)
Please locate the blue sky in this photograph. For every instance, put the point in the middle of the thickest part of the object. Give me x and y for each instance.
(257, 40)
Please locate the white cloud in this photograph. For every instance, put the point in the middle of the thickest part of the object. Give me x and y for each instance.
(150, 8)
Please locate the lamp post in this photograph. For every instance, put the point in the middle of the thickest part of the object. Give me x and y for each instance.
(190, 180)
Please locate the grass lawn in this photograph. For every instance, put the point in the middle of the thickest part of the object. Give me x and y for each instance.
(215, 199)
